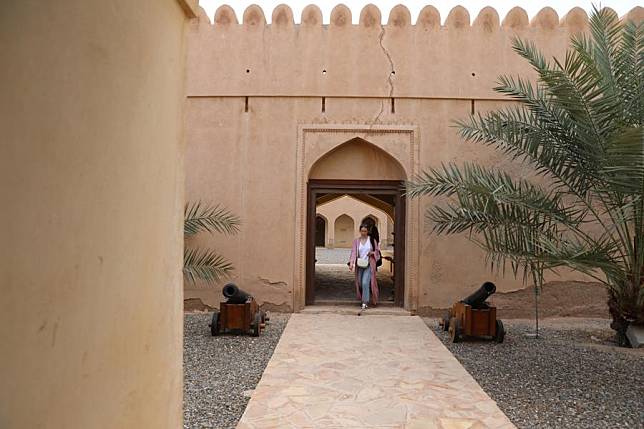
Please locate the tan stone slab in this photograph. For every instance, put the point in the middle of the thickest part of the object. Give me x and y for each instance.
(384, 371)
(352, 309)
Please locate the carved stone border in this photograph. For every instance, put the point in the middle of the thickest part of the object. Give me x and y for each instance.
(338, 134)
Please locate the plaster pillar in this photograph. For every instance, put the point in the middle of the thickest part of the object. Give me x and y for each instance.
(91, 182)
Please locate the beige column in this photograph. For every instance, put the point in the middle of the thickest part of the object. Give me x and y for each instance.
(91, 184)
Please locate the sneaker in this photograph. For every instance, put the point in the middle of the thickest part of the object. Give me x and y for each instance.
(364, 306)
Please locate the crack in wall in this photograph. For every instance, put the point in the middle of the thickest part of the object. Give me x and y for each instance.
(390, 77)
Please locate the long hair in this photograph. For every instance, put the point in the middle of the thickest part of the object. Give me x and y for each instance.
(374, 233)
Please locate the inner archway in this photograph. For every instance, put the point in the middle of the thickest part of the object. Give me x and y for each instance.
(343, 232)
(370, 220)
(320, 231)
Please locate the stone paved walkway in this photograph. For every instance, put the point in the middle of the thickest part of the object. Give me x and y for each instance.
(338, 371)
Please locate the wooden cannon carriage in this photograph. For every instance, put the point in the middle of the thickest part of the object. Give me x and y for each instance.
(238, 314)
(473, 317)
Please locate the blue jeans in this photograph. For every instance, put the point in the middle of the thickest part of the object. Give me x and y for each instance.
(364, 275)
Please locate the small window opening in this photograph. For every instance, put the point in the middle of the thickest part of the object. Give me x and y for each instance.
(473, 74)
(472, 109)
(246, 105)
(393, 105)
(324, 71)
(323, 104)
(247, 70)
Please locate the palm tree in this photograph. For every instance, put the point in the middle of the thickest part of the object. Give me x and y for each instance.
(205, 264)
(579, 127)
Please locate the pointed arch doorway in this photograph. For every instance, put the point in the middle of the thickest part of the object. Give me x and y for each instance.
(371, 175)
(367, 153)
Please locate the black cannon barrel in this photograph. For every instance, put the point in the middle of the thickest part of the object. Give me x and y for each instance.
(478, 298)
(234, 294)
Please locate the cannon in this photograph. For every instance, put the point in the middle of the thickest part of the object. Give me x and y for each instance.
(474, 317)
(234, 295)
(478, 298)
(238, 314)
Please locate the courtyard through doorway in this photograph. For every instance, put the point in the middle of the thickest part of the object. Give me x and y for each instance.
(348, 204)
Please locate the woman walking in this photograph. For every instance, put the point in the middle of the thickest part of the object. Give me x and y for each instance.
(365, 251)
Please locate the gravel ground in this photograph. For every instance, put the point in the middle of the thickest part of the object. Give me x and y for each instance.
(219, 371)
(570, 377)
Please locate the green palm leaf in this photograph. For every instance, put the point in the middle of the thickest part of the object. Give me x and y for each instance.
(624, 164)
(204, 264)
(579, 126)
(495, 193)
(199, 217)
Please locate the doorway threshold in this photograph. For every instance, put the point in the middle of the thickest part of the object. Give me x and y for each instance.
(349, 303)
(353, 308)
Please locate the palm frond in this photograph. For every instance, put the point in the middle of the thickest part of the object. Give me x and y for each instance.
(584, 257)
(526, 248)
(204, 264)
(630, 62)
(200, 217)
(539, 135)
(489, 197)
(579, 126)
(605, 30)
(624, 163)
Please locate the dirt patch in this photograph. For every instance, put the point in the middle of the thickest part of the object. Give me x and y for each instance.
(557, 299)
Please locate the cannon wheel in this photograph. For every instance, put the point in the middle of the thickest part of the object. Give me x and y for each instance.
(446, 322)
(500, 332)
(455, 330)
(214, 324)
(256, 327)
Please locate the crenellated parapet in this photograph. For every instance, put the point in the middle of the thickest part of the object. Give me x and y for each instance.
(457, 58)
(400, 16)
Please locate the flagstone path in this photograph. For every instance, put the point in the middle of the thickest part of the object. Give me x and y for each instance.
(374, 371)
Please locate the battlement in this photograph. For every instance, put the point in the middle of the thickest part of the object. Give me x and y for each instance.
(400, 16)
(458, 58)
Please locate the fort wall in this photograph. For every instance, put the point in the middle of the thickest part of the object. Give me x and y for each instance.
(266, 101)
